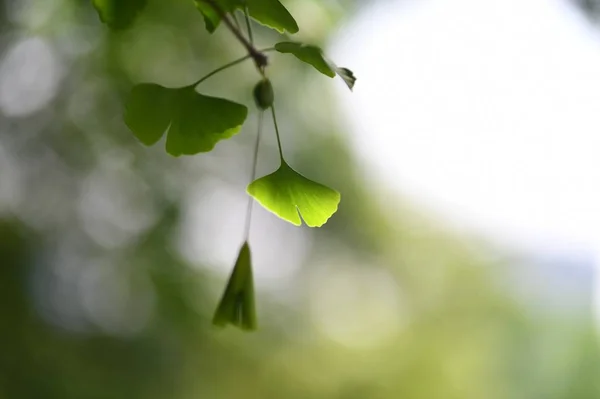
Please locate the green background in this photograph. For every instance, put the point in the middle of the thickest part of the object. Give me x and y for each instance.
(98, 301)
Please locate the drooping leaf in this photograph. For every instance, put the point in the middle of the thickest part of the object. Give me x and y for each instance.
(270, 13)
(195, 122)
(290, 196)
(313, 55)
(118, 14)
(237, 303)
(347, 75)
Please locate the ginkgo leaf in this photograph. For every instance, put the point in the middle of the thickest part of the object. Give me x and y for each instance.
(118, 14)
(313, 55)
(347, 75)
(310, 54)
(211, 16)
(195, 122)
(270, 13)
(290, 196)
(273, 14)
(237, 303)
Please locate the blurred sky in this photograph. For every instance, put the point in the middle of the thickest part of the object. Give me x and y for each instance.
(485, 113)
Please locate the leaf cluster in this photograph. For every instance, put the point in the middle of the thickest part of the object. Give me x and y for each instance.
(194, 123)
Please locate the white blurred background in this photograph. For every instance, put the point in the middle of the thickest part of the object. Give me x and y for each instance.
(486, 113)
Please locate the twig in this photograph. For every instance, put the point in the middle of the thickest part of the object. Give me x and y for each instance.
(277, 133)
(252, 177)
(229, 65)
(259, 58)
(248, 26)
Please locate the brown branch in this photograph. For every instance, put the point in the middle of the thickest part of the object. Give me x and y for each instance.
(260, 59)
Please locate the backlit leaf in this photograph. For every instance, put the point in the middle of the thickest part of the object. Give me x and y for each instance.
(195, 122)
(118, 14)
(290, 196)
(237, 306)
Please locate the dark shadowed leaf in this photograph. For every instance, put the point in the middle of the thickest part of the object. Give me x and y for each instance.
(348, 76)
(195, 122)
(237, 303)
(270, 13)
(118, 14)
(211, 16)
(290, 196)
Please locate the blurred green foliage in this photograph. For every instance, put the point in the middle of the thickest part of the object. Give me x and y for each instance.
(98, 299)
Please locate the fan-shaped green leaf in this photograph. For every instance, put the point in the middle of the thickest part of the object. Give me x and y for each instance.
(149, 111)
(118, 14)
(237, 303)
(287, 193)
(195, 122)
